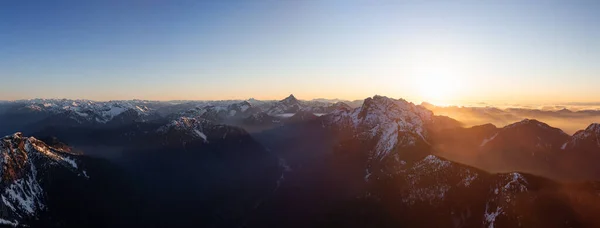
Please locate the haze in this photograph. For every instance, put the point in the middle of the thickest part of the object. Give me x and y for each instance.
(519, 52)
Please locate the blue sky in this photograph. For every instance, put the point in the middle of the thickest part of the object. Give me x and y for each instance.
(440, 51)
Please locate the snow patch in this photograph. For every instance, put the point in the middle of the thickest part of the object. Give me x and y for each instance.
(6, 222)
(490, 216)
(469, 179)
(285, 115)
(114, 111)
(200, 134)
(26, 193)
(244, 107)
(516, 181)
(8, 204)
(432, 159)
(367, 175)
(485, 141)
(70, 162)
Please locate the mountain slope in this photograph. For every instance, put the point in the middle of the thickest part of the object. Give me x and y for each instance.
(26, 166)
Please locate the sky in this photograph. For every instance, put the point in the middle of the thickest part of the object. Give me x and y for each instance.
(444, 52)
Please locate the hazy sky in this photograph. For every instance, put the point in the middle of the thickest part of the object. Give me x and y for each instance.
(507, 51)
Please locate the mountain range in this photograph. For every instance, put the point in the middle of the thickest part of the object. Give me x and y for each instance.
(289, 163)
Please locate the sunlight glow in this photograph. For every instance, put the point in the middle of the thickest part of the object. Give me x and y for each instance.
(439, 77)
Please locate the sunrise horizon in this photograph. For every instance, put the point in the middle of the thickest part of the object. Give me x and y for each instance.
(532, 104)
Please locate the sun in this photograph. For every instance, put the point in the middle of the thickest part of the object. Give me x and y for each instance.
(436, 88)
(438, 85)
(438, 77)
(440, 72)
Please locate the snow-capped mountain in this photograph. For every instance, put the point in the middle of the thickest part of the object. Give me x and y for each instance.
(37, 114)
(392, 124)
(26, 164)
(192, 127)
(34, 115)
(254, 115)
(103, 111)
(292, 105)
(223, 113)
(288, 105)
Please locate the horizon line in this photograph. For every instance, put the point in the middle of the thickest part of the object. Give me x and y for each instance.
(462, 104)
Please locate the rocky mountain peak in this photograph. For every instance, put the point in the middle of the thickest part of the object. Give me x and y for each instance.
(290, 100)
(394, 124)
(22, 159)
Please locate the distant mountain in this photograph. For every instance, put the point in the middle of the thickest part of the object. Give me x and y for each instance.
(223, 114)
(569, 121)
(33, 115)
(528, 145)
(288, 105)
(293, 105)
(261, 119)
(301, 116)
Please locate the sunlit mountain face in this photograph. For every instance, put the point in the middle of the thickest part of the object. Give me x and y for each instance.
(381, 162)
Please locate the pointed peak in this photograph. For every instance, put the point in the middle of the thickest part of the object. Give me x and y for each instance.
(291, 96)
(290, 99)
